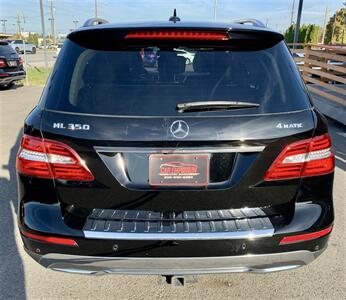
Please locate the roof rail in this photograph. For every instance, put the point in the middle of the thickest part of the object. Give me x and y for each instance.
(94, 21)
(253, 22)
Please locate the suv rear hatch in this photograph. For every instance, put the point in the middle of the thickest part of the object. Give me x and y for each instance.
(145, 153)
(9, 59)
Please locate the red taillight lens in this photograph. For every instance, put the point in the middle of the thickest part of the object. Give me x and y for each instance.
(178, 35)
(21, 61)
(50, 159)
(50, 239)
(2, 63)
(305, 237)
(305, 158)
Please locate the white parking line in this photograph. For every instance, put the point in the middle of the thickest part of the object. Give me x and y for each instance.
(342, 134)
(340, 158)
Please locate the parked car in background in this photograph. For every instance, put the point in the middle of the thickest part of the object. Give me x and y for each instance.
(19, 46)
(11, 66)
(43, 47)
(58, 48)
(299, 55)
(336, 63)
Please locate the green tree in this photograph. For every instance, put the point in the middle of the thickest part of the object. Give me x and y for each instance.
(335, 30)
(308, 33)
(33, 38)
(289, 34)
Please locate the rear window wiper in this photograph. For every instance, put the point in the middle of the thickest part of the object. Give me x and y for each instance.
(213, 105)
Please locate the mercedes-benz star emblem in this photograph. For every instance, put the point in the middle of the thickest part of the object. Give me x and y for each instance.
(179, 129)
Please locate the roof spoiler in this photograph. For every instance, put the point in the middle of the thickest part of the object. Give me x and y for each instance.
(253, 22)
(94, 21)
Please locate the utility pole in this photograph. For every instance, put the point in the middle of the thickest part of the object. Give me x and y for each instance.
(3, 23)
(292, 12)
(334, 24)
(24, 48)
(324, 25)
(19, 26)
(343, 30)
(43, 35)
(75, 22)
(215, 9)
(299, 17)
(95, 8)
(52, 20)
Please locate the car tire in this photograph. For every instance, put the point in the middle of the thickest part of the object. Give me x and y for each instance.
(6, 86)
(33, 50)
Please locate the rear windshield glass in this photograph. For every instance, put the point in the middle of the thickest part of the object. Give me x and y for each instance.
(151, 81)
(6, 49)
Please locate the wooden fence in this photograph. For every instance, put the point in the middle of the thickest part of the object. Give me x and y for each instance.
(323, 68)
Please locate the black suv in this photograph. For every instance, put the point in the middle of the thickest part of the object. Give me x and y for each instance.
(221, 165)
(11, 66)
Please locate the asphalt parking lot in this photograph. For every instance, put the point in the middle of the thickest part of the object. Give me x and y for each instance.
(22, 278)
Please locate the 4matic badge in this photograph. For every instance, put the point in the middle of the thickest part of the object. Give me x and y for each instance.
(289, 125)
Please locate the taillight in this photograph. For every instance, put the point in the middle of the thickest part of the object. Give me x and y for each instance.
(178, 35)
(50, 159)
(50, 239)
(311, 157)
(21, 61)
(2, 63)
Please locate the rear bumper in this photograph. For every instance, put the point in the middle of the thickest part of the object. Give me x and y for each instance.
(12, 77)
(120, 253)
(260, 263)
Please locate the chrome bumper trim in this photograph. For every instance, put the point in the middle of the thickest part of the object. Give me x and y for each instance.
(261, 263)
(11, 78)
(194, 150)
(187, 225)
(179, 236)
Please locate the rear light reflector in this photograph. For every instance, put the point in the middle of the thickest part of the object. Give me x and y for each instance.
(50, 239)
(305, 237)
(50, 159)
(2, 63)
(178, 35)
(311, 157)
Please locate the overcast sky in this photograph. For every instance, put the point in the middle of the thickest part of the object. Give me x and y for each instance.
(277, 12)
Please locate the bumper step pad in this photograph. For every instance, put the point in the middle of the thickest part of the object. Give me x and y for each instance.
(186, 225)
